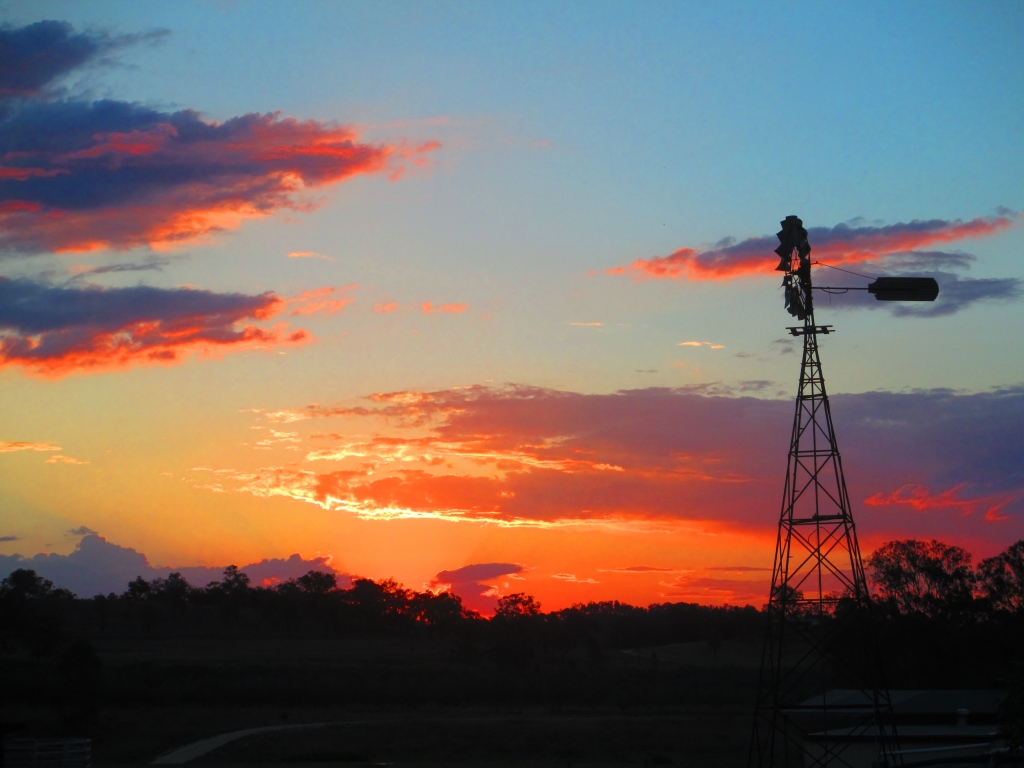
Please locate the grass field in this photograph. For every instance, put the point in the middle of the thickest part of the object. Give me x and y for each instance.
(671, 705)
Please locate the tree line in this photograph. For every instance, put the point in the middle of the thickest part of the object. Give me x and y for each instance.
(914, 581)
(942, 622)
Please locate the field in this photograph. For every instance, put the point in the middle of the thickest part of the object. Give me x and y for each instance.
(412, 702)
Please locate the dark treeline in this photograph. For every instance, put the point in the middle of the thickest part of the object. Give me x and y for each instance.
(941, 621)
(37, 615)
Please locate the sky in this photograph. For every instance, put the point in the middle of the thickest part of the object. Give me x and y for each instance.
(481, 296)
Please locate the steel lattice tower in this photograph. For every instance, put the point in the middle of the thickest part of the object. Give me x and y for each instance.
(819, 630)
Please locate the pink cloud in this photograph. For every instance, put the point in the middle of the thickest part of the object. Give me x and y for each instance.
(326, 300)
(841, 244)
(651, 458)
(920, 499)
(58, 330)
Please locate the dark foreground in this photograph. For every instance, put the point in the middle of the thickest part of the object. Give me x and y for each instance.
(409, 701)
(409, 678)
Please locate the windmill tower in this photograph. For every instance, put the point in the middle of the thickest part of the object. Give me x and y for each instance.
(821, 695)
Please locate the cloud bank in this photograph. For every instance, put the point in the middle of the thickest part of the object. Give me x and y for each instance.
(98, 567)
(79, 176)
(56, 330)
(656, 458)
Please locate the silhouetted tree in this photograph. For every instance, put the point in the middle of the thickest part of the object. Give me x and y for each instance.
(234, 581)
(375, 604)
(317, 583)
(30, 612)
(441, 610)
(25, 583)
(1001, 579)
(932, 578)
(515, 605)
(139, 589)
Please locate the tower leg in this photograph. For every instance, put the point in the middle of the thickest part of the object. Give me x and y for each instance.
(822, 698)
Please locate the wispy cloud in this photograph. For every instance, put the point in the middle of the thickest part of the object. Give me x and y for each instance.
(429, 308)
(58, 459)
(79, 272)
(640, 569)
(12, 447)
(327, 300)
(707, 344)
(308, 255)
(921, 499)
(571, 578)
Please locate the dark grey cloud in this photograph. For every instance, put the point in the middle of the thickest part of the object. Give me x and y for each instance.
(58, 329)
(30, 307)
(152, 265)
(467, 583)
(37, 55)
(918, 260)
(82, 531)
(77, 174)
(98, 567)
(8, 538)
(956, 293)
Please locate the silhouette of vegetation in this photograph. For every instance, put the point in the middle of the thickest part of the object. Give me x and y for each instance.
(306, 642)
(930, 578)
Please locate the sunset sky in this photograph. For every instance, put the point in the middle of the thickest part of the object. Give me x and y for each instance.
(482, 294)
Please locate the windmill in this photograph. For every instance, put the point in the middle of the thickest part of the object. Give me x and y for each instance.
(820, 636)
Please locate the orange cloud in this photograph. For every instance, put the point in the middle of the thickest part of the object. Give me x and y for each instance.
(325, 300)
(383, 308)
(161, 179)
(647, 459)
(9, 447)
(54, 331)
(308, 255)
(429, 308)
(64, 460)
(840, 244)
